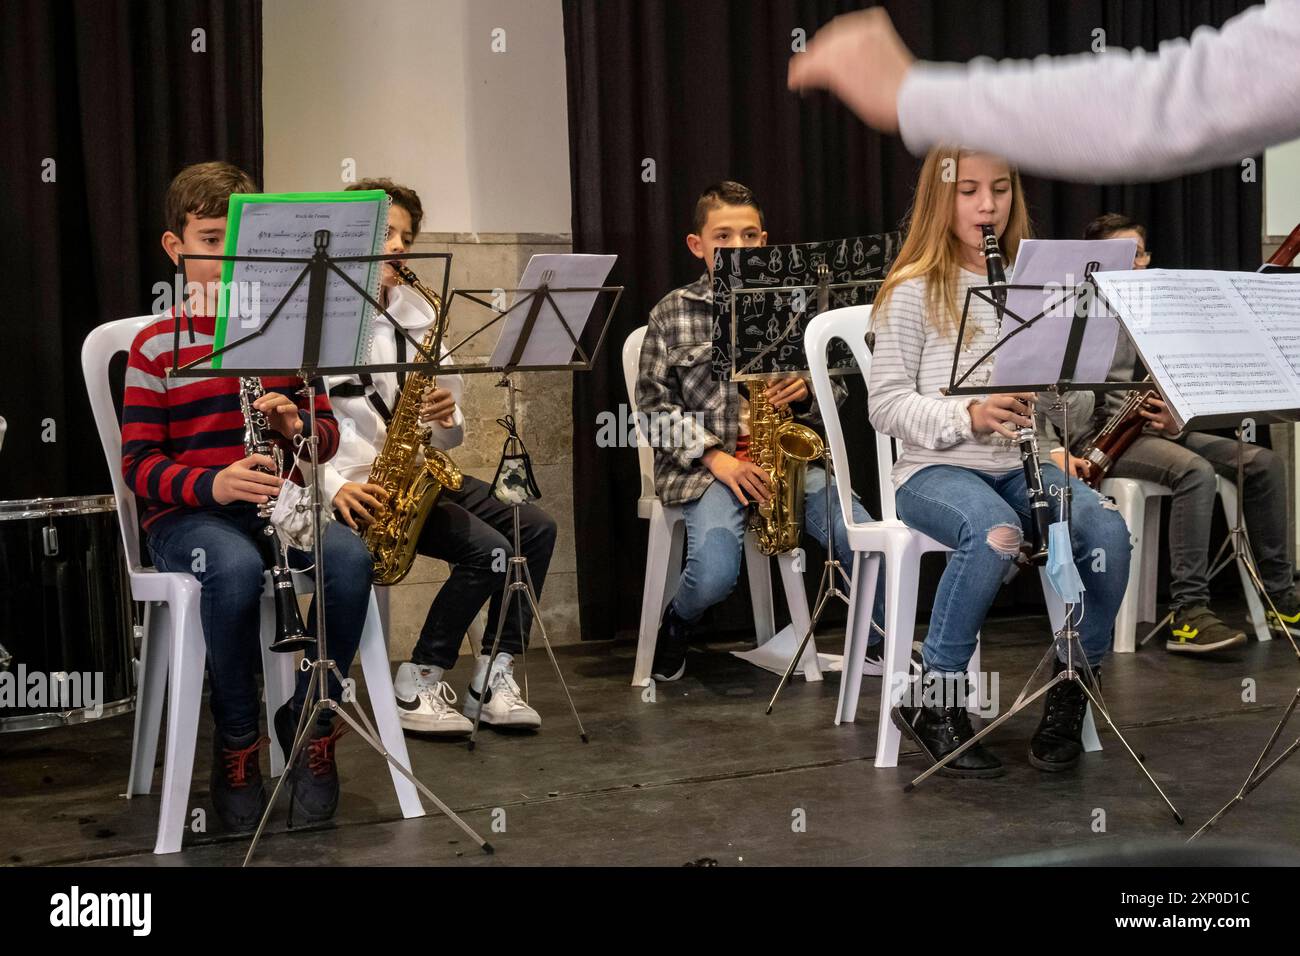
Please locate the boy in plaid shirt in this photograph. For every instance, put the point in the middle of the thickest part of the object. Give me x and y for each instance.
(711, 474)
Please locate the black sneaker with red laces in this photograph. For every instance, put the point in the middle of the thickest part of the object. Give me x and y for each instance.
(236, 782)
(314, 778)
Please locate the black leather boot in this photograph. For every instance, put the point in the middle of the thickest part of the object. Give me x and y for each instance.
(1057, 744)
(670, 648)
(941, 724)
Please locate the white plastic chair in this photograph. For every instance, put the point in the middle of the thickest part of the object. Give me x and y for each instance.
(1138, 502)
(173, 652)
(901, 547)
(664, 556)
(1134, 499)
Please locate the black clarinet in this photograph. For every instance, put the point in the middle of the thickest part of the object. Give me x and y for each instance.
(1039, 508)
(290, 634)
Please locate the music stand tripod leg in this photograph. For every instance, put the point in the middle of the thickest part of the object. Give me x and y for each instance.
(826, 589)
(306, 719)
(506, 593)
(531, 594)
(1074, 651)
(1256, 777)
(371, 737)
(824, 594)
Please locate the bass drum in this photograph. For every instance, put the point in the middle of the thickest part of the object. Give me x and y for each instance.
(67, 640)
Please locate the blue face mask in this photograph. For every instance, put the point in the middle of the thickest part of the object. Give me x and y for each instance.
(1061, 569)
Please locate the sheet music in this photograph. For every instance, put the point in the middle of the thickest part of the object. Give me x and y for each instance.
(1036, 354)
(288, 228)
(549, 343)
(1217, 343)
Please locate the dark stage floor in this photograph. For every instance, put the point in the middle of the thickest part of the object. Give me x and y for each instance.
(701, 773)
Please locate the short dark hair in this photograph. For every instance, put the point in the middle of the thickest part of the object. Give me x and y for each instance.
(203, 190)
(1111, 223)
(725, 193)
(403, 196)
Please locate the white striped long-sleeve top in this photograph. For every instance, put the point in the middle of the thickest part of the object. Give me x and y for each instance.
(910, 365)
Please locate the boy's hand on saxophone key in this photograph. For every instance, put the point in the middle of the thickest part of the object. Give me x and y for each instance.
(783, 391)
(438, 405)
(358, 502)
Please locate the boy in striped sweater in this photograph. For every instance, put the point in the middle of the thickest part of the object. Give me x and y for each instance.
(183, 456)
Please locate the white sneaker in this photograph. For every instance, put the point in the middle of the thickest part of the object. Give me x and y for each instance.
(503, 707)
(424, 704)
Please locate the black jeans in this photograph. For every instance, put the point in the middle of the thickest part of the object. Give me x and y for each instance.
(474, 532)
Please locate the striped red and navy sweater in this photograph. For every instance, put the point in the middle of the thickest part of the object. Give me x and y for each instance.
(178, 433)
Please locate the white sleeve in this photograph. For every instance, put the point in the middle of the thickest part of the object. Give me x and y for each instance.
(330, 483)
(1121, 116)
(355, 455)
(448, 438)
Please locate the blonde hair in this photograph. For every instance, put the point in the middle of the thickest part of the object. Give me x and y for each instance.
(931, 251)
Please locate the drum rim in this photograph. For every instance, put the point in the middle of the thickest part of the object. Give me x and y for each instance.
(49, 719)
(24, 509)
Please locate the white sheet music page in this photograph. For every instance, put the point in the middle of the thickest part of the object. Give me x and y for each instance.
(286, 226)
(1217, 343)
(550, 342)
(1035, 354)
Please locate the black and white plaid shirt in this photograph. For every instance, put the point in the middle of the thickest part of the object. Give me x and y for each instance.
(676, 387)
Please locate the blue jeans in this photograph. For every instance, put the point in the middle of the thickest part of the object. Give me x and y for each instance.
(983, 518)
(223, 547)
(715, 539)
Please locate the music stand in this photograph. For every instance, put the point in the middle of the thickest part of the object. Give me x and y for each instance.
(1236, 548)
(1242, 551)
(1066, 638)
(315, 271)
(833, 572)
(519, 582)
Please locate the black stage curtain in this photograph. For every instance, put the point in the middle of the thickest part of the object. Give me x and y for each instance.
(119, 95)
(699, 88)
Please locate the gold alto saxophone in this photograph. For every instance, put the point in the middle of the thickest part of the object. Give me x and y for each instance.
(782, 447)
(409, 468)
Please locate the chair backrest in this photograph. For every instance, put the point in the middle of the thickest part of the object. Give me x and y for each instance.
(96, 355)
(849, 325)
(631, 369)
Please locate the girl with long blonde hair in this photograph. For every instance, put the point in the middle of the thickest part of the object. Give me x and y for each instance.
(959, 477)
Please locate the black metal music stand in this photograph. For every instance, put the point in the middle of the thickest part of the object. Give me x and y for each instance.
(315, 271)
(1242, 551)
(1066, 639)
(833, 572)
(518, 581)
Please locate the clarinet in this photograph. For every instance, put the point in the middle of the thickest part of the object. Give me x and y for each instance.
(290, 635)
(1039, 510)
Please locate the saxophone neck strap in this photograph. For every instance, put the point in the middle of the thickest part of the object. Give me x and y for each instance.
(364, 387)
